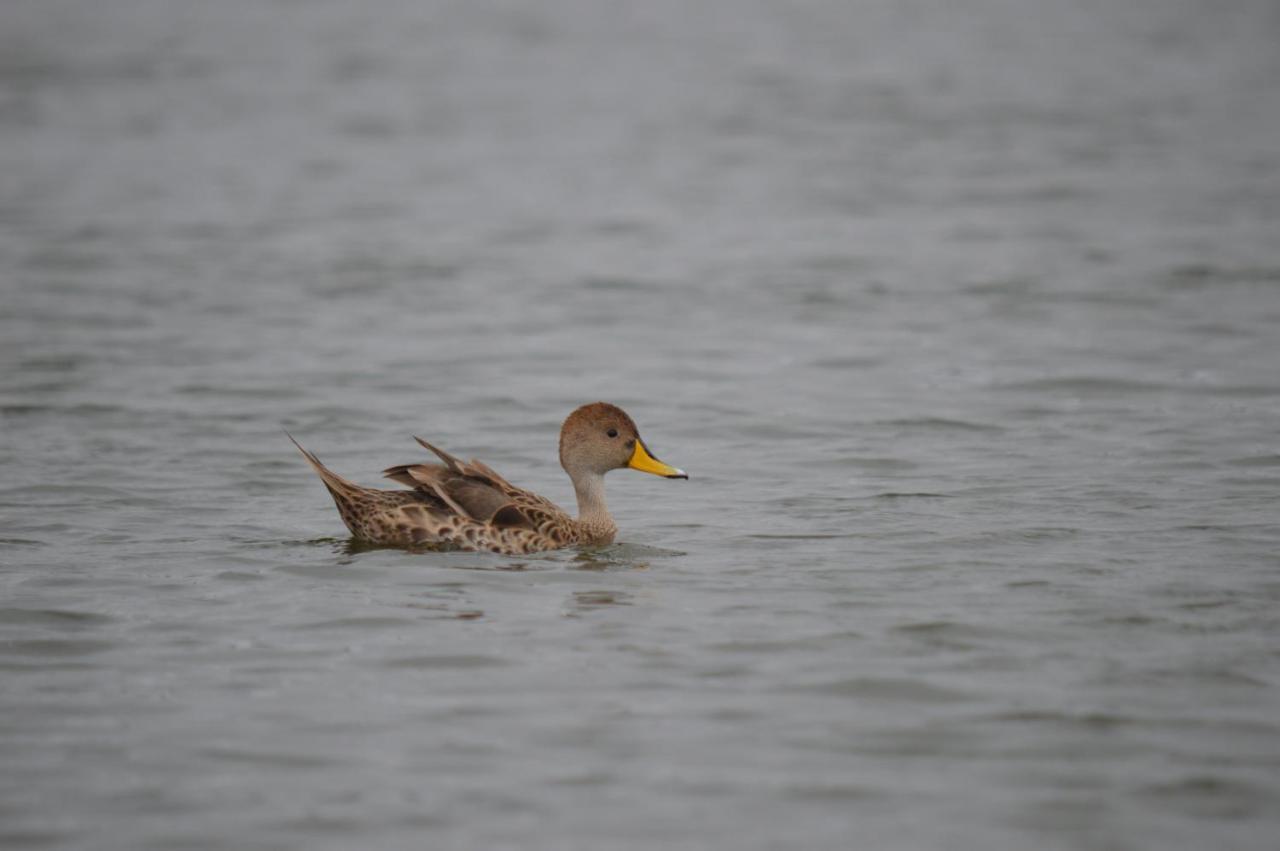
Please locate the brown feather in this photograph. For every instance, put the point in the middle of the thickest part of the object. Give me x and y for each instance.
(510, 517)
(335, 483)
(487, 471)
(451, 462)
(400, 474)
(470, 496)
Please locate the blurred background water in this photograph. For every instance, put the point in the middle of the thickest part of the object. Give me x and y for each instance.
(963, 318)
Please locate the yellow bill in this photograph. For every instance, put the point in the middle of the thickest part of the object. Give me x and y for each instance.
(644, 462)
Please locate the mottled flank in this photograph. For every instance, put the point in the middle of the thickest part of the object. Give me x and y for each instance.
(466, 505)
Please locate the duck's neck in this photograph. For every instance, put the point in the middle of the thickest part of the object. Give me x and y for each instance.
(593, 514)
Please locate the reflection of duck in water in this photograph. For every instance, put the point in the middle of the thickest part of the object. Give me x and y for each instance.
(469, 506)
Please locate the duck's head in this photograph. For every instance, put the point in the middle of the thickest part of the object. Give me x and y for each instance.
(600, 437)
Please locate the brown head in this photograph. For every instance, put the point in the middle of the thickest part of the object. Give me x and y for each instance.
(600, 437)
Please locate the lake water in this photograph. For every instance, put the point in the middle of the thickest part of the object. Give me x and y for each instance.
(963, 318)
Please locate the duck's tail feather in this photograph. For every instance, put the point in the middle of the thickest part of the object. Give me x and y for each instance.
(341, 489)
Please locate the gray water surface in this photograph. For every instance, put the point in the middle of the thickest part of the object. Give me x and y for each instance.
(963, 317)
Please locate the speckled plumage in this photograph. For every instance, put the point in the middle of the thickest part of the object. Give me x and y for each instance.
(466, 505)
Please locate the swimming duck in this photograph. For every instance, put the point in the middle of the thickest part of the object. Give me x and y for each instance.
(466, 505)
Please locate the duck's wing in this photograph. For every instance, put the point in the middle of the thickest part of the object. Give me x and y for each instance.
(474, 491)
(477, 469)
(466, 496)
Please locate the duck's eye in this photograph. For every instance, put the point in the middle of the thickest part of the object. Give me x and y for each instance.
(613, 432)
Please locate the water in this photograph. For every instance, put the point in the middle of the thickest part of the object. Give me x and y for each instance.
(963, 319)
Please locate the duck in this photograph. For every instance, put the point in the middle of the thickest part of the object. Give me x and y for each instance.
(468, 506)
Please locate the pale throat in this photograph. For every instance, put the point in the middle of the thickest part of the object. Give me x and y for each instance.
(593, 513)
